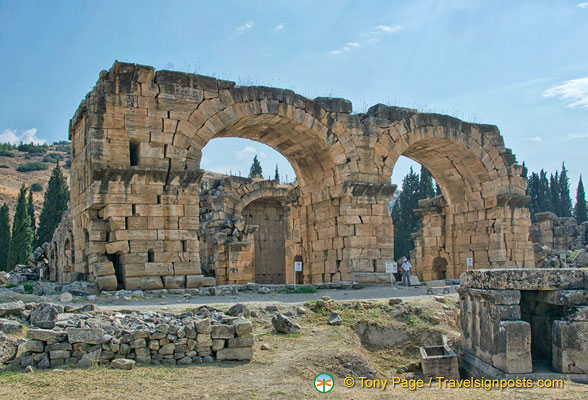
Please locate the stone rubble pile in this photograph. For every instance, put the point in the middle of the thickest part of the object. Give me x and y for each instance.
(82, 337)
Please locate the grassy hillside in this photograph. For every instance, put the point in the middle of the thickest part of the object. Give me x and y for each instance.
(11, 179)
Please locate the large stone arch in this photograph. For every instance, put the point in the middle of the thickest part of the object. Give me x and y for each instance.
(136, 148)
(481, 215)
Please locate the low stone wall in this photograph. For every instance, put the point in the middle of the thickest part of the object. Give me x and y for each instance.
(84, 339)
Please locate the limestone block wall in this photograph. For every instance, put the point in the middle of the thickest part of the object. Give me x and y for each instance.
(493, 237)
(511, 318)
(559, 233)
(137, 141)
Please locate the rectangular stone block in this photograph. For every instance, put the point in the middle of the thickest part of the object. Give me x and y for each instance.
(174, 282)
(570, 347)
(512, 347)
(235, 353)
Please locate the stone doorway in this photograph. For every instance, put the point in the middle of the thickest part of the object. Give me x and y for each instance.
(537, 309)
(270, 250)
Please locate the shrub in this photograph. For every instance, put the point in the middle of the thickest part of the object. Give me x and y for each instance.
(37, 187)
(66, 148)
(305, 289)
(68, 163)
(32, 148)
(53, 158)
(32, 166)
(7, 146)
(6, 153)
(4, 166)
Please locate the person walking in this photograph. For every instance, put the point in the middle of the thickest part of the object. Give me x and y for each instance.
(406, 266)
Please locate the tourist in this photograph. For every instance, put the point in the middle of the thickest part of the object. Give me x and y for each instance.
(406, 266)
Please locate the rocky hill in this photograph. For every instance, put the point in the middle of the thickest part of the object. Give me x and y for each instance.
(15, 158)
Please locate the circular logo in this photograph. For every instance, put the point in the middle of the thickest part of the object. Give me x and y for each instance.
(323, 383)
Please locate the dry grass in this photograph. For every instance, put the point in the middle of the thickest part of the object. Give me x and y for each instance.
(286, 371)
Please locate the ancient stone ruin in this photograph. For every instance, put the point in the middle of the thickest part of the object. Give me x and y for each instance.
(525, 323)
(136, 187)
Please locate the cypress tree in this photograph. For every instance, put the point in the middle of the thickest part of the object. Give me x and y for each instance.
(565, 201)
(54, 204)
(277, 175)
(544, 195)
(31, 211)
(426, 189)
(21, 240)
(4, 236)
(534, 193)
(554, 194)
(255, 170)
(524, 174)
(580, 209)
(403, 216)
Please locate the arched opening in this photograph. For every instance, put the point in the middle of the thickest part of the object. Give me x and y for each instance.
(246, 241)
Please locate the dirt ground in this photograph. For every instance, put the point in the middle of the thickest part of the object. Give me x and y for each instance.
(288, 369)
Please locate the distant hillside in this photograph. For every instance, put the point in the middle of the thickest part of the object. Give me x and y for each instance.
(13, 157)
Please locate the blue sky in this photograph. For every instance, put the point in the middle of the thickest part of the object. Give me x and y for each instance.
(522, 65)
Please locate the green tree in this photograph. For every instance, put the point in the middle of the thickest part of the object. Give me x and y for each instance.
(277, 175)
(524, 174)
(403, 216)
(4, 236)
(534, 193)
(31, 211)
(426, 189)
(544, 195)
(565, 201)
(54, 204)
(21, 240)
(555, 194)
(580, 209)
(255, 170)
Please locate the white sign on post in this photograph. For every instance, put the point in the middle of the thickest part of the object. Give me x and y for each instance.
(391, 268)
(297, 266)
(470, 262)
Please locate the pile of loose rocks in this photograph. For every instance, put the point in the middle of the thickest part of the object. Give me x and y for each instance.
(84, 337)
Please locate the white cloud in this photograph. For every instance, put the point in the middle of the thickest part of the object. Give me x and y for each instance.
(371, 36)
(582, 5)
(578, 136)
(575, 92)
(29, 136)
(536, 139)
(243, 28)
(278, 28)
(385, 29)
(246, 153)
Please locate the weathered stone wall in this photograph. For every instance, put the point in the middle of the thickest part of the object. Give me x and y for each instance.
(559, 233)
(512, 318)
(494, 237)
(91, 338)
(137, 143)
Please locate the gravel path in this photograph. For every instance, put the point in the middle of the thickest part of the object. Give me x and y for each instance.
(180, 302)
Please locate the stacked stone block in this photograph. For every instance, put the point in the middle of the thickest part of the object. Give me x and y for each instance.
(148, 338)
